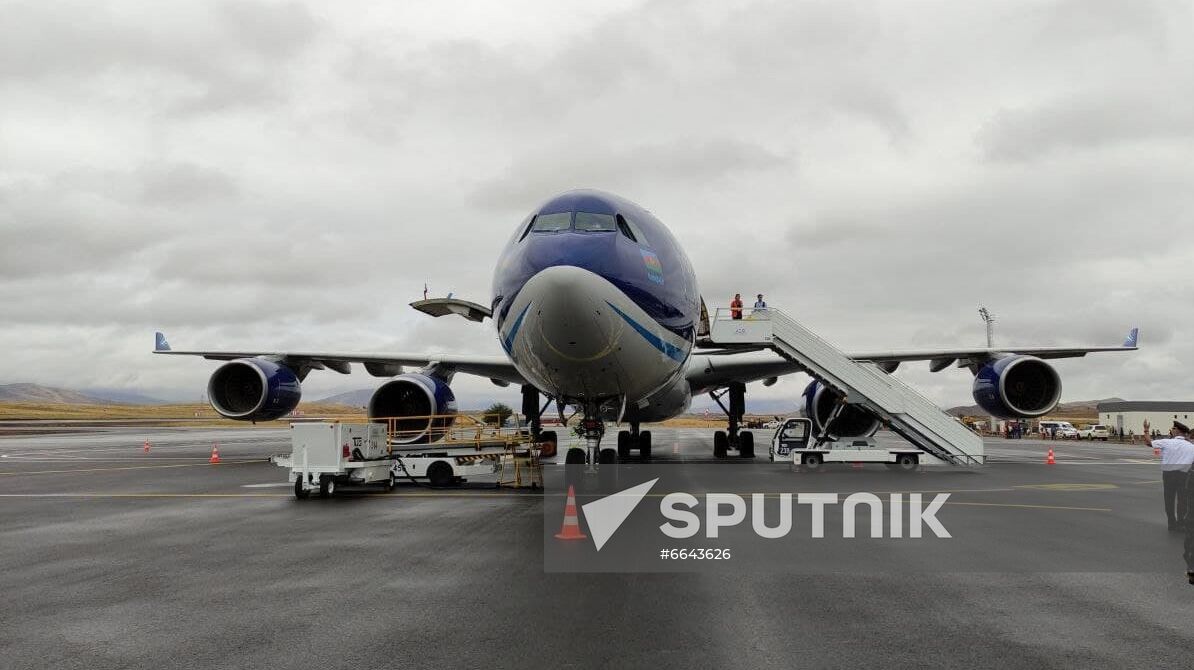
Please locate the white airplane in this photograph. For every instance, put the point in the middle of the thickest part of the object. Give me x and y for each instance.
(597, 307)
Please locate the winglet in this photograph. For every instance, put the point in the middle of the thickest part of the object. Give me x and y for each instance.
(1130, 343)
(159, 342)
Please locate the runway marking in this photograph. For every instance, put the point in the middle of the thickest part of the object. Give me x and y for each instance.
(1068, 487)
(1060, 507)
(436, 494)
(271, 485)
(131, 467)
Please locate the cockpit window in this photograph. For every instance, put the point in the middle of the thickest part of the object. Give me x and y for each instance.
(631, 229)
(552, 223)
(589, 222)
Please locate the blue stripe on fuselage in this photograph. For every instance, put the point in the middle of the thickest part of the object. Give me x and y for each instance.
(672, 351)
(508, 340)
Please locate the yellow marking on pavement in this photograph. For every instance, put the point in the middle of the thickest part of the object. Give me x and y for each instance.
(1068, 487)
(1080, 509)
(130, 467)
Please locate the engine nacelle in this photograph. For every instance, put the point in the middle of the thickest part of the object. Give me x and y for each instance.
(1017, 387)
(854, 421)
(253, 389)
(416, 405)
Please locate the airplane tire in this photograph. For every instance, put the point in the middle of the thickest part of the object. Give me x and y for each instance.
(623, 444)
(644, 445)
(720, 442)
(440, 474)
(746, 444)
(575, 456)
(607, 457)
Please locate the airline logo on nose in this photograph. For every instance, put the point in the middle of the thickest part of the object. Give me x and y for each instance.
(606, 515)
(654, 267)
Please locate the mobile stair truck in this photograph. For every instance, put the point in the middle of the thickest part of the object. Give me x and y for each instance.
(930, 432)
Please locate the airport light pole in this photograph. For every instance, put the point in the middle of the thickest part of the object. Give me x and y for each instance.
(989, 319)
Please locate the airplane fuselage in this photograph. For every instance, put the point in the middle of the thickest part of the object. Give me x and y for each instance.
(596, 303)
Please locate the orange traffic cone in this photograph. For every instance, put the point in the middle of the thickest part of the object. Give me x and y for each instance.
(146, 447)
(215, 454)
(1049, 460)
(571, 528)
(857, 465)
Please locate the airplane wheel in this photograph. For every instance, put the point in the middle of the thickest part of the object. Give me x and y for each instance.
(720, 442)
(746, 444)
(300, 492)
(607, 457)
(812, 462)
(575, 456)
(907, 462)
(623, 444)
(644, 445)
(440, 474)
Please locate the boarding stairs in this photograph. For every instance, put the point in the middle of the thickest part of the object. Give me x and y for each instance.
(898, 406)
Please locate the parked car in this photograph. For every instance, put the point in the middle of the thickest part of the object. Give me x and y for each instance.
(1095, 432)
(1066, 432)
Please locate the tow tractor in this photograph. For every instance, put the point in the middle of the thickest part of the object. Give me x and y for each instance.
(791, 443)
(327, 454)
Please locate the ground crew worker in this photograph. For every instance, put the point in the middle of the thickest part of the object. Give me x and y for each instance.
(1177, 455)
(1189, 553)
(736, 306)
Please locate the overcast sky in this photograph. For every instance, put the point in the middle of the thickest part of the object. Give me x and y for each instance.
(285, 175)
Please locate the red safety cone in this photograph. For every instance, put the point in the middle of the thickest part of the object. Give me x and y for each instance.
(1049, 460)
(145, 448)
(571, 528)
(215, 454)
(857, 465)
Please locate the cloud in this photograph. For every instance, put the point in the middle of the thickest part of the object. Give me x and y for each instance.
(281, 175)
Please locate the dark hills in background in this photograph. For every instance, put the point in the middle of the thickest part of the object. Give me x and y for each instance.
(1076, 408)
(38, 393)
(357, 398)
(51, 395)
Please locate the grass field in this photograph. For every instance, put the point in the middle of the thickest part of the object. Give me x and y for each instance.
(18, 411)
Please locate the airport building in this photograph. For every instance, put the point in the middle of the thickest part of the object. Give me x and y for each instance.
(1130, 415)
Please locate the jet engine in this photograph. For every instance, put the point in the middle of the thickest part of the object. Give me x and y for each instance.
(854, 421)
(416, 405)
(253, 389)
(1017, 387)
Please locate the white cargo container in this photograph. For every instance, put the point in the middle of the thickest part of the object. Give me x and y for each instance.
(326, 453)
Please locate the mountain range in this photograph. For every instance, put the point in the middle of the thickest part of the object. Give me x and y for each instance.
(38, 393)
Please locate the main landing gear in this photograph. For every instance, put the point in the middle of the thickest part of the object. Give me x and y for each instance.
(634, 439)
(733, 438)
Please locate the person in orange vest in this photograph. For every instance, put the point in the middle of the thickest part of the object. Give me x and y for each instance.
(736, 306)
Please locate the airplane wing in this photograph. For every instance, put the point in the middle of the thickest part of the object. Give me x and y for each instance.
(718, 368)
(497, 368)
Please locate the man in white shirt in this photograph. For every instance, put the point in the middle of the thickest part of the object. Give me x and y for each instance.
(1177, 456)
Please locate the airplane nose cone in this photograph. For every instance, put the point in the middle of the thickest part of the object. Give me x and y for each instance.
(567, 319)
